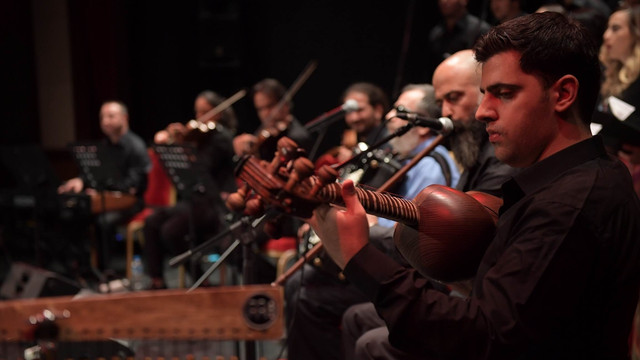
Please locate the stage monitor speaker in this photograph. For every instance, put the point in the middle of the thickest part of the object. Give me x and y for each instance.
(25, 281)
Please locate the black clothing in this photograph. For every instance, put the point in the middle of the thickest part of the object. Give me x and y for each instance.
(560, 280)
(295, 131)
(199, 210)
(131, 161)
(487, 174)
(320, 299)
(444, 43)
(616, 131)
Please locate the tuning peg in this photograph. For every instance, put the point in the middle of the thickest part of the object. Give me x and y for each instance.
(302, 169)
(286, 151)
(235, 202)
(287, 147)
(326, 175)
(254, 207)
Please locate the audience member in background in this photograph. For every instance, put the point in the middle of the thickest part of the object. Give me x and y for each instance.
(503, 10)
(619, 110)
(456, 31)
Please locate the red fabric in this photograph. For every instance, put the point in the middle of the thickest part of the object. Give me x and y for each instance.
(282, 244)
(326, 159)
(158, 191)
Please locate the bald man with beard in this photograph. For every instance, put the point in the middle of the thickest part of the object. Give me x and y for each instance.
(456, 82)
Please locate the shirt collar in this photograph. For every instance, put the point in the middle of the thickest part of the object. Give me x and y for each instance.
(531, 179)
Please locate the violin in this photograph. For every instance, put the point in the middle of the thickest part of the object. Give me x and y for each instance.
(281, 125)
(193, 130)
(443, 233)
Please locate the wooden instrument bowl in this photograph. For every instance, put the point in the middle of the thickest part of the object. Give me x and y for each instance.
(454, 231)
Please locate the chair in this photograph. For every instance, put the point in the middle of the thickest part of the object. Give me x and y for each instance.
(159, 193)
(281, 251)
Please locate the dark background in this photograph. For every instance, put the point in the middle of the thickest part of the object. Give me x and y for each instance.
(156, 56)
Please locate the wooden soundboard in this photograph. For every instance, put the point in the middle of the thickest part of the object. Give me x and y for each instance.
(251, 312)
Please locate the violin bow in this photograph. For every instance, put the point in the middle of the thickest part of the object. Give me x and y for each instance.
(297, 84)
(222, 106)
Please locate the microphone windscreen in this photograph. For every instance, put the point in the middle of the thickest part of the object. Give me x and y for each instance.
(350, 105)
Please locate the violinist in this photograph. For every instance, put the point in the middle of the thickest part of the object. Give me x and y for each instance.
(276, 120)
(205, 102)
(199, 211)
(319, 298)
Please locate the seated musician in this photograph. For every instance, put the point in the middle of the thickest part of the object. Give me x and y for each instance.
(561, 275)
(276, 121)
(316, 297)
(200, 211)
(132, 160)
(456, 83)
(365, 125)
(273, 106)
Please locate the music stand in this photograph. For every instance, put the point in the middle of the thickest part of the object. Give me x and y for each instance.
(182, 167)
(98, 166)
(180, 163)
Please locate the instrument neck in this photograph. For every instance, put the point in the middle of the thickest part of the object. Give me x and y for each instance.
(376, 203)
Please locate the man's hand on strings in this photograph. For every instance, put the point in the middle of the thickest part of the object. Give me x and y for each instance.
(342, 231)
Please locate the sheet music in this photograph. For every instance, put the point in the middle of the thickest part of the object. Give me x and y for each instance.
(620, 109)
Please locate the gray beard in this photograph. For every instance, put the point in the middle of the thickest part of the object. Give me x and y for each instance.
(466, 141)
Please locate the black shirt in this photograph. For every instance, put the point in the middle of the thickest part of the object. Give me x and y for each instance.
(559, 281)
(294, 131)
(487, 174)
(131, 160)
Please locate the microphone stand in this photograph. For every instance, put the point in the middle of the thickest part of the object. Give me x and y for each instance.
(401, 131)
(246, 238)
(320, 124)
(199, 250)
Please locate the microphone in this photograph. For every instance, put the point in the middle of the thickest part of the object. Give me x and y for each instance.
(332, 115)
(442, 124)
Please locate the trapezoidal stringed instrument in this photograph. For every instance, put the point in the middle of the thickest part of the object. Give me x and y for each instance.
(443, 233)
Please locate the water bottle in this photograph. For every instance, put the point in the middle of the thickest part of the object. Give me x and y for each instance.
(137, 274)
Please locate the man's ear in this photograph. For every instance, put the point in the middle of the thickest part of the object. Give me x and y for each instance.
(565, 90)
(422, 131)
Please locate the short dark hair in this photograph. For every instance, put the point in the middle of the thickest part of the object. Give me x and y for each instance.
(375, 94)
(228, 117)
(551, 46)
(123, 107)
(270, 87)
